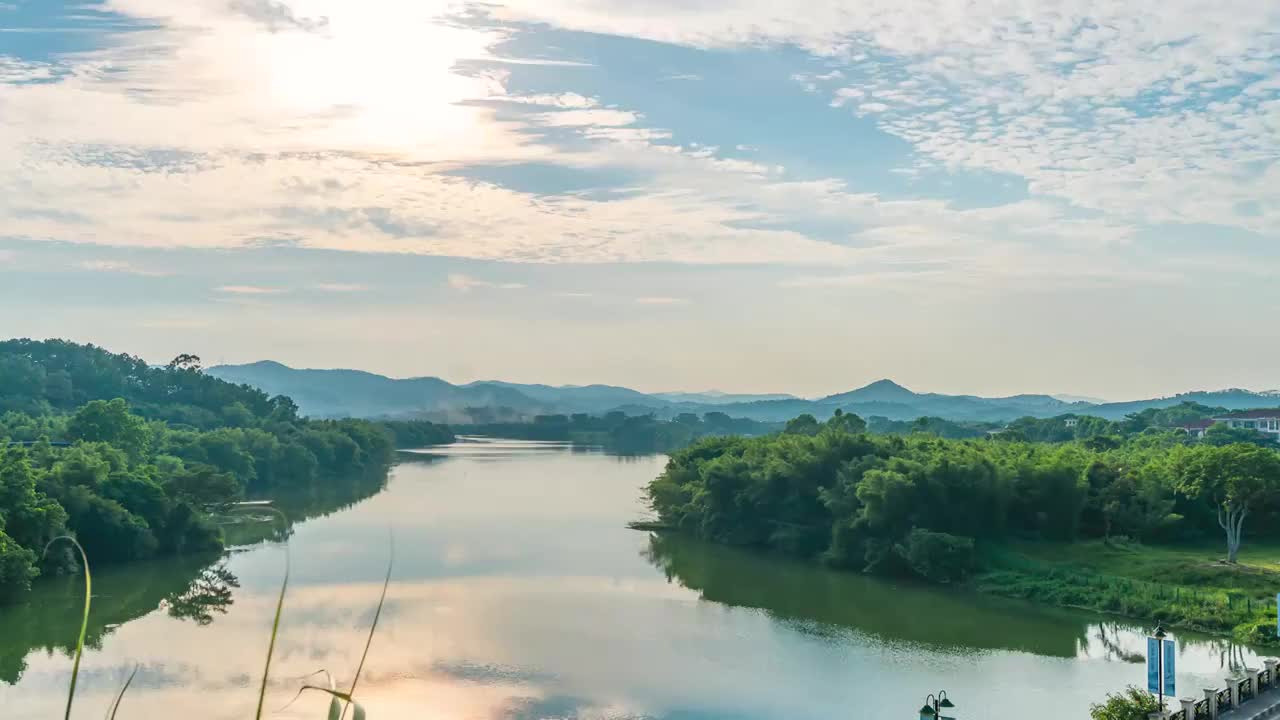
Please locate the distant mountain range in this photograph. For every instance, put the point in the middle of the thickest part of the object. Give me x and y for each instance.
(354, 393)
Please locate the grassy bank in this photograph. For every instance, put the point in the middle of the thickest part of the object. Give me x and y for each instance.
(1179, 586)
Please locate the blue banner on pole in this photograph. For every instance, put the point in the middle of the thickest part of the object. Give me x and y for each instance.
(1168, 669)
(1153, 665)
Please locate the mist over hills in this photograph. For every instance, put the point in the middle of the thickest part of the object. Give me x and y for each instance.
(355, 393)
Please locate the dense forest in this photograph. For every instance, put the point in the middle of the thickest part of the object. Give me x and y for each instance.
(1065, 428)
(131, 459)
(918, 504)
(621, 432)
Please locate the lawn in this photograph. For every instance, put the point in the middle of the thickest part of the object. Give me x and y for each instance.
(1181, 585)
(1197, 567)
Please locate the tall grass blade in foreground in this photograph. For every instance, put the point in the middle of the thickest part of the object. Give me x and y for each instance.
(358, 714)
(391, 558)
(115, 706)
(84, 621)
(275, 623)
(335, 705)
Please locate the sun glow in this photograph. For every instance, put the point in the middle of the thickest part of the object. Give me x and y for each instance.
(367, 77)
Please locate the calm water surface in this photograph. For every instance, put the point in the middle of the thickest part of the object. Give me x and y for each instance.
(519, 594)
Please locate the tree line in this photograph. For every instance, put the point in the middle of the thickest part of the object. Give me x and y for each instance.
(131, 459)
(917, 504)
(1069, 427)
(621, 432)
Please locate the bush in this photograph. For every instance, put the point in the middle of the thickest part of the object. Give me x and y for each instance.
(1132, 704)
(17, 567)
(937, 557)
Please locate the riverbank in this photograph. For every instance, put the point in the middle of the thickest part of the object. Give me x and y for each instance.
(1184, 586)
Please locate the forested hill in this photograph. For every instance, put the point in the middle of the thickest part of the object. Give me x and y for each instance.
(354, 393)
(130, 459)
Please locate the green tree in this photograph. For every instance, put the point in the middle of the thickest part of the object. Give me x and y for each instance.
(185, 362)
(803, 425)
(846, 422)
(937, 557)
(1233, 480)
(17, 567)
(1223, 434)
(111, 422)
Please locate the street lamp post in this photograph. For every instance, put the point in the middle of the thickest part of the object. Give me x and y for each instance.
(933, 706)
(1159, 636)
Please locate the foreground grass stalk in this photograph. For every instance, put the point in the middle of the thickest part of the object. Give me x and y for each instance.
(115, 706)
(357, 714)
(275, 623)
(391, 557)
(84, 621)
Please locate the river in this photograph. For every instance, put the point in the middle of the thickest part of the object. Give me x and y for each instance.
(517, 593)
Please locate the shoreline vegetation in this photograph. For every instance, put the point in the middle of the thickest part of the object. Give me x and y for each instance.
(135, 461)
(1129, 525)
(626, 434)
(1219, 611)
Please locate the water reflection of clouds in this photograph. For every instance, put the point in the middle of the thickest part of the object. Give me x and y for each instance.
(518, 595)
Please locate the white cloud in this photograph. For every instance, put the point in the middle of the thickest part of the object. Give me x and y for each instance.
(341, 287)
(466, 283)
(596, 117)
(332, 147)
(661, 301)
(566, 100)
(1068, 96)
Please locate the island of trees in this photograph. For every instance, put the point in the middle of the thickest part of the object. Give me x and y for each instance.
(991, 511)
(133, 460)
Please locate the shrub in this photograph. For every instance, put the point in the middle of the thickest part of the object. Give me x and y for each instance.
(1132, 704)
(937, 557)
(17, 567)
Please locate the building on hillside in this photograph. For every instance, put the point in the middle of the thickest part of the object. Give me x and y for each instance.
(1072, 422)
(1264, 421)
(1196, 429)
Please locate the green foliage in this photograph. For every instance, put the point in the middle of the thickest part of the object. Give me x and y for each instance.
(110, 423)
(130, 459)
(846, 422)
(621, 432)
(803, 425)
(1222, 434)
(914, 503)
(1132, 704)
(17, 567)
(938, 557)
(1232, 479)
(954, 430)
(418, 433)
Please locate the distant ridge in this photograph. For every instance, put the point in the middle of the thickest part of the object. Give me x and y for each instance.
(878, 391)
(356, 393)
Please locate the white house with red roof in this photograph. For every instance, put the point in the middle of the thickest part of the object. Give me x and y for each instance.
(1264, 421)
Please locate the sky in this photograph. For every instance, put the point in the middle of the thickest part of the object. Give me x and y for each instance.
(978, 196)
